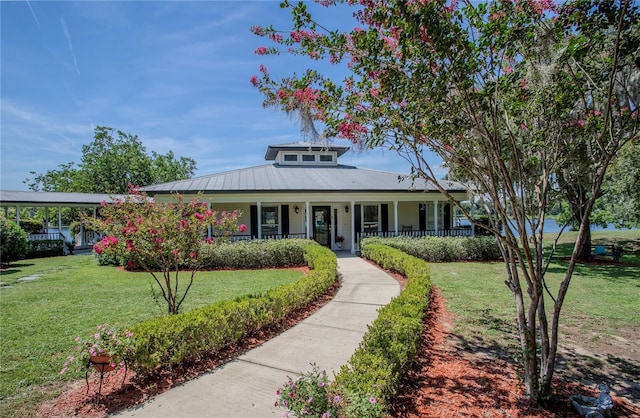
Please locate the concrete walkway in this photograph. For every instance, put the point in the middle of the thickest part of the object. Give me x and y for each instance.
(246, 387)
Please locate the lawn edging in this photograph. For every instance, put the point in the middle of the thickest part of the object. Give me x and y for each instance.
(176, 339)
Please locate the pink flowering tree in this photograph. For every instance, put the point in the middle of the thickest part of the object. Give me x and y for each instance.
(164, 239)
(518, 99)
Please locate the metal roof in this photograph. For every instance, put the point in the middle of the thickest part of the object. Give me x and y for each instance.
(285, 178)
(13, 198)
(272, 150)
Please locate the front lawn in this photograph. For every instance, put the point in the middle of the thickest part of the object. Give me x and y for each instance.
(70, 296)
(600, 313)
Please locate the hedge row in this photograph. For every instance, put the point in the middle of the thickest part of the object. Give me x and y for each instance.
(393, 339)
(254, 254)
(444, 249)
(173, 340)
(45, 248)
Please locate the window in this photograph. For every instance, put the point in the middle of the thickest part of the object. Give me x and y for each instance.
(370, 218)
(269, 220)
(326, 158)
(308, 158)
(291, 157)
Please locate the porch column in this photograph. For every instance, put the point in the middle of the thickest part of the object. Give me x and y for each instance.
(307, 216)
(435, 215)
(18, 215)
(259, 205)
(395, 216)
(352, 205)
(59, 219)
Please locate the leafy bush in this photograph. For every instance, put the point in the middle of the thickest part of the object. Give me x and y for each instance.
(13, 241)
(443, 249)
(393, 340)
(254, 254)
(175, 339)
(45, 248)
(31, 226)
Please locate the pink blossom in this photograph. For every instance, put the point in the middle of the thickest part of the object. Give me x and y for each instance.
(193, 254)
(275, 37)
(198, 216)
(254, 80)
(242, 227)
(372, 400)
(175, 251)
(131, 264)
(261, 50)
(263, 69)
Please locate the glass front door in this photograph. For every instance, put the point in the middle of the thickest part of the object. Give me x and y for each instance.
(322, 225)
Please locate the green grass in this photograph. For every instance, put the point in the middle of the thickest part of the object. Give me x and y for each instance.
(602, 298)
(39, 319)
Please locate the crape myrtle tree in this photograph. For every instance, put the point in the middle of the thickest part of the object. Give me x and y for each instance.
(506, 93)
(162, 238)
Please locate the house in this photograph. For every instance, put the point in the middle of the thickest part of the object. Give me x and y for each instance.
(305, 192)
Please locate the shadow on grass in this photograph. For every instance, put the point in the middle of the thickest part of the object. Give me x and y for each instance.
(619, 373)
(13, 268)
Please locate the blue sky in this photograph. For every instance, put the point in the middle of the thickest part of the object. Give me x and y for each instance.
(174, 73)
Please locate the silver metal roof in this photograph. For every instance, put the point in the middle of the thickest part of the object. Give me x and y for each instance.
(22, 198)
(285, 178)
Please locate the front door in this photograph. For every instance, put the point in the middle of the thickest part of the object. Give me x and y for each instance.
(322, 225)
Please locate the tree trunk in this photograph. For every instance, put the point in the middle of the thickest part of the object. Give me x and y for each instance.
(585, 245)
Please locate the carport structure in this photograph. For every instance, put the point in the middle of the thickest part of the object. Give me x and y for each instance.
(26, 199)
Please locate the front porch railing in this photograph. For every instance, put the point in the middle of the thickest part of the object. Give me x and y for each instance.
(47, 236)
(235, 238)
(453, 232)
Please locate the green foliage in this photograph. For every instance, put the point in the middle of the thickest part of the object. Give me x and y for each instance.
(393, 340)
(110, 163)
(621, 200)
(175, 339)
(31, 226)
(253, 254)
(41, 317)
(105, 340)
(308, 395)
(162, 239)
(13, 241)
(521, 100)
(45, 248)
(444, 249)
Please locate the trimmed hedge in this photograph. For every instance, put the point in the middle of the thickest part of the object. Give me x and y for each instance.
(444, 249)
(393, 339)
(175, 339)
(254, 254)
(45, 248)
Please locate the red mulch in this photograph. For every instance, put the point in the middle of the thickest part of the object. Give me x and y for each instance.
(445, 380)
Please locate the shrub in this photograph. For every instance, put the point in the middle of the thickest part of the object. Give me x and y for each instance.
(254, 254)
(31, 226)
(393, 340)
(13, 241)
(45, 248)
(444, 249)
(175, 339)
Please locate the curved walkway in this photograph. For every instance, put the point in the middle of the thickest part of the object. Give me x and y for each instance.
(246, 387)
